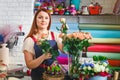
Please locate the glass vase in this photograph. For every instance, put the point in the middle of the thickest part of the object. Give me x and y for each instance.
(74, 65)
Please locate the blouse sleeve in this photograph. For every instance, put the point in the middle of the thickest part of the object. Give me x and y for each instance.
(28, 45)
(57, 38)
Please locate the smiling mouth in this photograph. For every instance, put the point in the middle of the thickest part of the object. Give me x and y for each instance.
(43, 23)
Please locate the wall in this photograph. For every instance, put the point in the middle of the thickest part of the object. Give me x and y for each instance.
(21, 12)
(16, 12)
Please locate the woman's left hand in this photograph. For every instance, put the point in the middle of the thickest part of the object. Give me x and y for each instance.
(47, 55)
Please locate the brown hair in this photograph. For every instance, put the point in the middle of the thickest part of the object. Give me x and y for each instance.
(34, 28)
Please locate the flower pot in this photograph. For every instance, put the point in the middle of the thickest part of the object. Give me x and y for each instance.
(98, 78)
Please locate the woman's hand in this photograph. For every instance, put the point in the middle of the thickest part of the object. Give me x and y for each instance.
(47, 55)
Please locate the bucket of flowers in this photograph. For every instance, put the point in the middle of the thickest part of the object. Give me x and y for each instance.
(74, 44)
(98, 69)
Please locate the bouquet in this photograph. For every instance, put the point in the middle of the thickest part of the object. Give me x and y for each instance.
(73, 43)
(99, 66)
(45, 46)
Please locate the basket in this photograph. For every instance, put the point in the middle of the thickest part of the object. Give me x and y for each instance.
(95, 10)
(53, 77)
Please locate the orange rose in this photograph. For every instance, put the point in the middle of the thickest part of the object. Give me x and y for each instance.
(81, 36)
(43, 36)
(74, 35)
(87, 35)
(69, 35)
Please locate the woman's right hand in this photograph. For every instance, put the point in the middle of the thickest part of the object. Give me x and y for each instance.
(47, 55)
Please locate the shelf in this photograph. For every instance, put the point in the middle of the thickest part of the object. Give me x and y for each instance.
(97, 19)
(87, 15)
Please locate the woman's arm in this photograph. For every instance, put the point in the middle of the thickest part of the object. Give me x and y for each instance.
(29, 55)
(60, 47)
(33, 63)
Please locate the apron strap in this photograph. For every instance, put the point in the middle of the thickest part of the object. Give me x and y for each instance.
(52, 35)
(34, 39)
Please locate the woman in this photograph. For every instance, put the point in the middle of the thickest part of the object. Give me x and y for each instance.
(35, 59)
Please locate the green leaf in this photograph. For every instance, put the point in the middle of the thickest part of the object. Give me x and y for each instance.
(95, 58)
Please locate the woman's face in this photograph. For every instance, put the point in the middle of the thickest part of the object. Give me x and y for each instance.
(42, 20)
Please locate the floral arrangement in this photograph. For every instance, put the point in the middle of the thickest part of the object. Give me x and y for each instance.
(74, 44)
(45, 46)
(99, 66)
(8, 35)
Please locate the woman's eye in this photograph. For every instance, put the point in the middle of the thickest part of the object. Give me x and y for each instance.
(40, 17)
(46, 17)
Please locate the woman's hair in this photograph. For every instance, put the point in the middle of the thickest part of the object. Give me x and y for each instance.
(34, 27)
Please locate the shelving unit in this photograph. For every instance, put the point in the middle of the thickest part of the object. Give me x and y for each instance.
(75, 21)
(101, 21)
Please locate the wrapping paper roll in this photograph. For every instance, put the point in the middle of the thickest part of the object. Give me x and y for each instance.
(104, 48)
(4, 54)
(105, 40)
(89, 26)
(104, 33)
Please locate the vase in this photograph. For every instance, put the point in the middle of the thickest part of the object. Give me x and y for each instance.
(98, 78)
(74, 65)
(4, 54)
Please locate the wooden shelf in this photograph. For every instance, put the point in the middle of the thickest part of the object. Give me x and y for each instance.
(86, 15)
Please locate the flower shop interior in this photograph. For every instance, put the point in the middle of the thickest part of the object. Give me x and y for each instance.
(101, 18)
